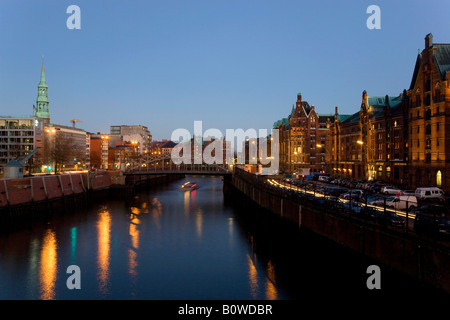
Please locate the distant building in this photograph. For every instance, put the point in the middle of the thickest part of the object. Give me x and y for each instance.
(166, 148)
(98, 155)
(137, 134)
(64, 147)
(123, 155)
(303, 139)
(19, 135)
(369, 145)
(155, 146)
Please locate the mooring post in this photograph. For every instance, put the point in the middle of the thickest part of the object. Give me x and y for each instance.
(299, 216)
(281, 207)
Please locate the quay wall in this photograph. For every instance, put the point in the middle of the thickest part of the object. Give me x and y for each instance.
(39, 189)
(425, 260)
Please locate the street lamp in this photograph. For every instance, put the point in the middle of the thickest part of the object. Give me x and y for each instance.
(326, 150)
(51, 132)
(361, 143)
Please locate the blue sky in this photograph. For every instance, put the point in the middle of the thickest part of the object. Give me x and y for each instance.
(230, 63)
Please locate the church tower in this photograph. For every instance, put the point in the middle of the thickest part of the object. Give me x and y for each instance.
(41, 107)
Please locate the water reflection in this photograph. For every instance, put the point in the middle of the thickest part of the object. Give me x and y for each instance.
(48, 266)
(103, 230)
(253, 278)
(230, 230)
(33, 267)
(271, 290)
(199, 222)
(134, 234)
(256, 281)
(73, 244)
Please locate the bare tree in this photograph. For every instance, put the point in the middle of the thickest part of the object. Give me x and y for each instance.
(61, 149)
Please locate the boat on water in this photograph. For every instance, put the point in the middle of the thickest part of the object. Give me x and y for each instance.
(189, 186)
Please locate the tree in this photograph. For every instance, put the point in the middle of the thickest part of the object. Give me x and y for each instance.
(62, 149)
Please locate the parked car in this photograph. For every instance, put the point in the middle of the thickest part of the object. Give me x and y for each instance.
(432, 219)
(380, 201)
(353, 194)
(355, 207)
(386, 217)
(393, 219)
(376, 188)
(433, 209)
(390, 190)
(429, 193)
(408, 192)
(403, 202)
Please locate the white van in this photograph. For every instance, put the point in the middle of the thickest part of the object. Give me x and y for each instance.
(399, 203)
(429, 193)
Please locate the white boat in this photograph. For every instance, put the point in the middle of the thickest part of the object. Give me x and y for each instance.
(188, 186)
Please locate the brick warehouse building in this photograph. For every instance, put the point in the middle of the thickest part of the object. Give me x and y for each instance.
(429, 117)
(369, 145)
(402, 140)
(303, 139)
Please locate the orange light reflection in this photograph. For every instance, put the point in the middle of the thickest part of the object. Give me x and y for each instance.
(103, 229)
(48, 266)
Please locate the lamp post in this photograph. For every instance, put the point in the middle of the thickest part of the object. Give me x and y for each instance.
(134, 156)
(326, 152)
(361, 143)
(51, 132)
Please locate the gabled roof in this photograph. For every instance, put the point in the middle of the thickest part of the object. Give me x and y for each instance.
(381, 101)
(442, 58)
(343, 117)
(306, 107)
(168, 144)
(377, 105)
(416, 72)
(279, 123)
(323, 118)
(352, 119)
(376, 108)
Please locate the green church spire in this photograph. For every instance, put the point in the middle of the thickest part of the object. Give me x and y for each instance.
(42, 99)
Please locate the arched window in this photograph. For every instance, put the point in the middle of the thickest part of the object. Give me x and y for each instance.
(418, 100)
(439, 178)
(437, 93)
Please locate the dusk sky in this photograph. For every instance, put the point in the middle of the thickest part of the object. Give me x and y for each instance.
(230, 63)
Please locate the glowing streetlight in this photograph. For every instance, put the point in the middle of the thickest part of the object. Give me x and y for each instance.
(360, 142)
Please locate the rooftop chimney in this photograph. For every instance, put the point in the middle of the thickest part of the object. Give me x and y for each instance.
(428, 41)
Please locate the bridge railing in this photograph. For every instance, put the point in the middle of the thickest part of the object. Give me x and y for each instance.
(219, 168)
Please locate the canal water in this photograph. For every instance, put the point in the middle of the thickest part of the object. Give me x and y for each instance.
(168, 244)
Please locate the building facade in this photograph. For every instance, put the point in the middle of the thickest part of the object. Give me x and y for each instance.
(429, 117)
(138, 134)
(19, 135)
(369, 144)
(303, 143)
(64, 148)
(98, 151)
